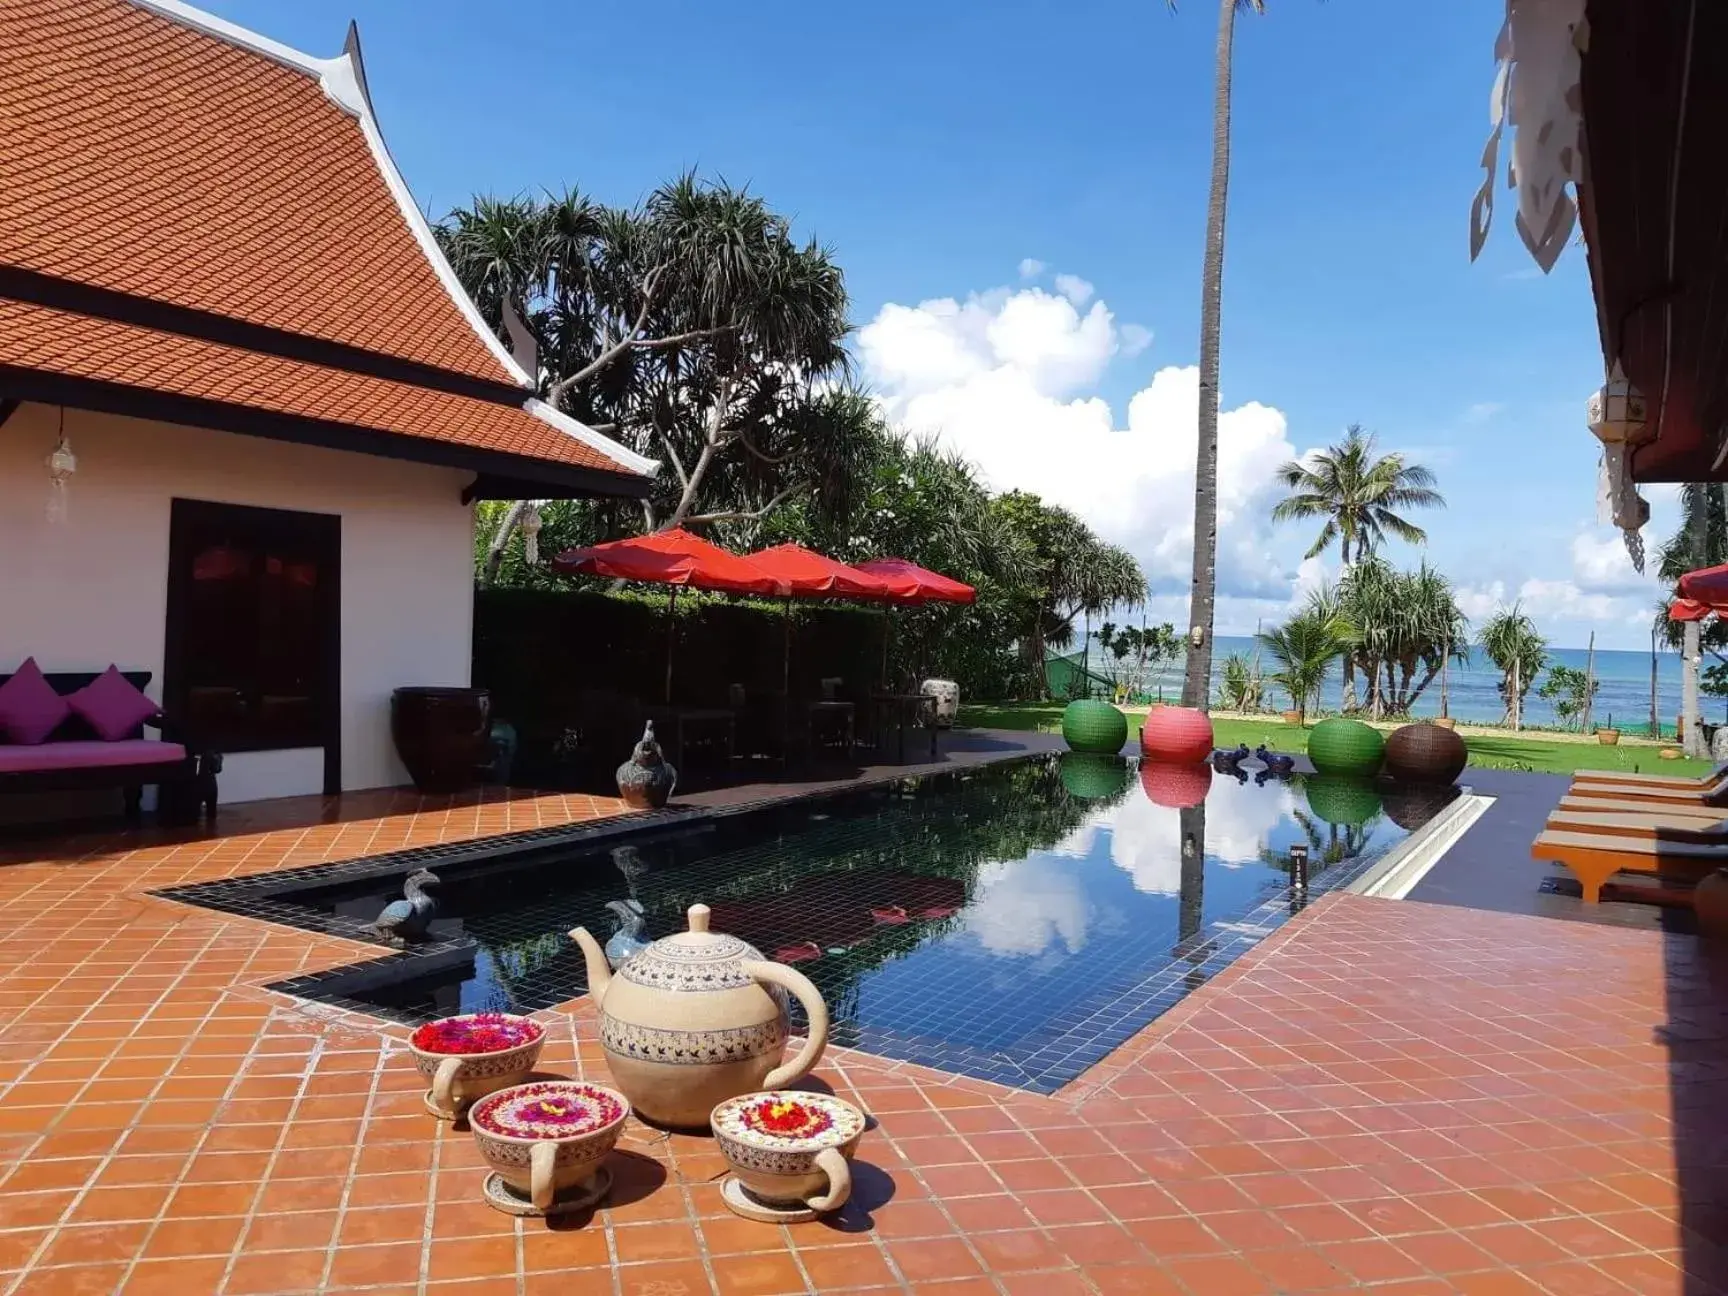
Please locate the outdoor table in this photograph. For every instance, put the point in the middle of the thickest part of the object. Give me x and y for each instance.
(673, 723)
(843, 711)
(903, 711)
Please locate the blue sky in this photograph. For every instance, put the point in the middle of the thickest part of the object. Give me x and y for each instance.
(937, 147)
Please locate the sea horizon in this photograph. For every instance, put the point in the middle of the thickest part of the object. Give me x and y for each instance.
(1623, 695)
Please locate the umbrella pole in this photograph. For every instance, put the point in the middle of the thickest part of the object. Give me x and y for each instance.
(786, 655)
(671, 630)
(887, 629)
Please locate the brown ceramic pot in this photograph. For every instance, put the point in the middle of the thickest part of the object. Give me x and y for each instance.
(443, 735)
(1710, 903)
(1608, 737)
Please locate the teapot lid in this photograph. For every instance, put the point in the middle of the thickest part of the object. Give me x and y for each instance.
(697, 959)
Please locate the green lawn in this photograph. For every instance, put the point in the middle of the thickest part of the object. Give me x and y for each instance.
(1498, 751)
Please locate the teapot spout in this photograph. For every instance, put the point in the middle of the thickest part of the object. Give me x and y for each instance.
(599, 970)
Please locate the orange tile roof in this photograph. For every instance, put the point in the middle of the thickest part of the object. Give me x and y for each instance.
(141, 154)
(81, 346)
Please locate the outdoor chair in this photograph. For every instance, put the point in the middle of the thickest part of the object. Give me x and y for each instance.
(1715, 794)
(1680, 783)
(1594, 858)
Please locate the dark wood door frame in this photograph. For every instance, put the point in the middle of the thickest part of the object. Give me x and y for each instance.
(322, 532)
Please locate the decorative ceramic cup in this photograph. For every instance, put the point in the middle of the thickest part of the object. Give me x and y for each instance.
(790, 1150)
(548, 1138)
(465, 1058)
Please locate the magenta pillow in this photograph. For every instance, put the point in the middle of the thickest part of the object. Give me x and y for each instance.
(30, 709)
(111, 706)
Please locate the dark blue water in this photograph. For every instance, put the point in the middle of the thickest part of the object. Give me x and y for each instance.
(1015, 923)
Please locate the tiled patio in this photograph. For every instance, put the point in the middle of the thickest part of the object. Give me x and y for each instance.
(1404, 1098)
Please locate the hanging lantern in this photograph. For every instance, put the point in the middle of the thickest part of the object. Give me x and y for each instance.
(1620, 419)
(530, 524)
(62, 463)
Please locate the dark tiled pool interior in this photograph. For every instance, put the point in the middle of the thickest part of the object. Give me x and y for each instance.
(1016, 922)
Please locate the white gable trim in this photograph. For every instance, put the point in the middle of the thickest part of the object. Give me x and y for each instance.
(621, 455)
(341, 79)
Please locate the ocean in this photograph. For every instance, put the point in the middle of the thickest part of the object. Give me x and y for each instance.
(1624, 693)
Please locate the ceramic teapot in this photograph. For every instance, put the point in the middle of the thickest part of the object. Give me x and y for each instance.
(697, 1018)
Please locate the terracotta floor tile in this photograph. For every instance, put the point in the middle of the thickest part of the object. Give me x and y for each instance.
(1059, 1282)
(730, 1235)
(1167, 1239)
(177, 1277)
(272, 1272)
(1299, 1270)
(1370, 1260)
(685, 1277)
(991, 1213)
(636, 1243)
(1220, 1276)
(1018, 1250)
(1098, 1244)
(365, 1266)
(847, 1268)
(934, 1258)
(475, 1257)
(82, 1280)
(17, 1246)
(208, 1236)
(765, 1274)
(92, 1243)
(295, 1231)
(1135, 1280)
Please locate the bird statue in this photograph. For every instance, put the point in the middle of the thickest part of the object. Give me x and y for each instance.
(1227, 760)
(1275, 762)
(407, 919)
(627, 941)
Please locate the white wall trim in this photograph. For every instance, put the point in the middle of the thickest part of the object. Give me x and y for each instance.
(342, 82)
(620, 454)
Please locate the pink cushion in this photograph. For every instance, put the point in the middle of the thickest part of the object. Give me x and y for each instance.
(30, 709)
(111, 705)
(89, 755)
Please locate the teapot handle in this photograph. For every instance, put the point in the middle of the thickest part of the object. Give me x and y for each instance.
(796, 983)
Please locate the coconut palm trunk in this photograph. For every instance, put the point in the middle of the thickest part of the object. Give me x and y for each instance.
(1197, 683)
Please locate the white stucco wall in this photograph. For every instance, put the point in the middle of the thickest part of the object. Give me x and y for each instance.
(93, 590)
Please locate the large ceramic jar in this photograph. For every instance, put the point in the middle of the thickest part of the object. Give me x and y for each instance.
(443, 735)
(1176, 734)
(697, 1018)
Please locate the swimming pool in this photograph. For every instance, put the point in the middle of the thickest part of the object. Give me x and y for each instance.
(1015, 922)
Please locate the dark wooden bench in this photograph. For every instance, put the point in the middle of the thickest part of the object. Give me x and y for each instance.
(75, 759)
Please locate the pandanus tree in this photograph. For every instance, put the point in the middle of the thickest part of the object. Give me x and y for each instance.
(1408, 626)
(694, 329)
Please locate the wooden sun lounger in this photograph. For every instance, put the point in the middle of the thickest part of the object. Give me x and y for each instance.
(1594, 858)
(1666, 827)
(1679, 782)
(1657, 795)
(1693, 813)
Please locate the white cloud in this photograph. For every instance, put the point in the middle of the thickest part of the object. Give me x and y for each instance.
(1482, 411)
(1134, 338)
(1026, 906)
(1074, 288)
(1600, 562)
(1005, 378)
(1031, 268)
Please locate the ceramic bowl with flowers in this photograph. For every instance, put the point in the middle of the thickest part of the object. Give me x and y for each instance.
(548, 1138)
(465, 1058)
(789, 1148)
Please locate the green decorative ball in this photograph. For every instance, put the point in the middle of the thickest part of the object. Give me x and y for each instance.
(1339, 800)
(1092, 726)
(1346, 747)
(1094, 776)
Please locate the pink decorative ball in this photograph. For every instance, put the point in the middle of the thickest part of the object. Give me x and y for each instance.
(1177, 734)
(1175, 786)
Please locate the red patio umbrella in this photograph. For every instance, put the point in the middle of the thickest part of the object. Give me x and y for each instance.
(676, 558)
(1688, 610)
(804, 573)
(932, 587)
(1708, 585)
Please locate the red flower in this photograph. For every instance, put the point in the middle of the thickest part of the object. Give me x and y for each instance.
(787, 1118)
(480, 1033)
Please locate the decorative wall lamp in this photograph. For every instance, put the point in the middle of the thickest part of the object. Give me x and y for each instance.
(61, 464)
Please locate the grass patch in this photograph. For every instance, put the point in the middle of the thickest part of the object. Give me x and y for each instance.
(1487, 751)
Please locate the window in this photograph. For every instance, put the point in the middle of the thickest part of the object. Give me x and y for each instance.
(252, 660)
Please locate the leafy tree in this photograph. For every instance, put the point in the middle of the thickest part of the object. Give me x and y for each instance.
(1071, 572)
(1359, 494)
(693, 328)
(1701, 540)
(1570, 691)
(1137, 654)
(1512, 643)
(1406, 625)
(1304, 647)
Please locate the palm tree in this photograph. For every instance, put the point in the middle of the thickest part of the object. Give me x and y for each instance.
(1304, 647)
(1512, 643)
(1359, 494)
(1408, 624)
